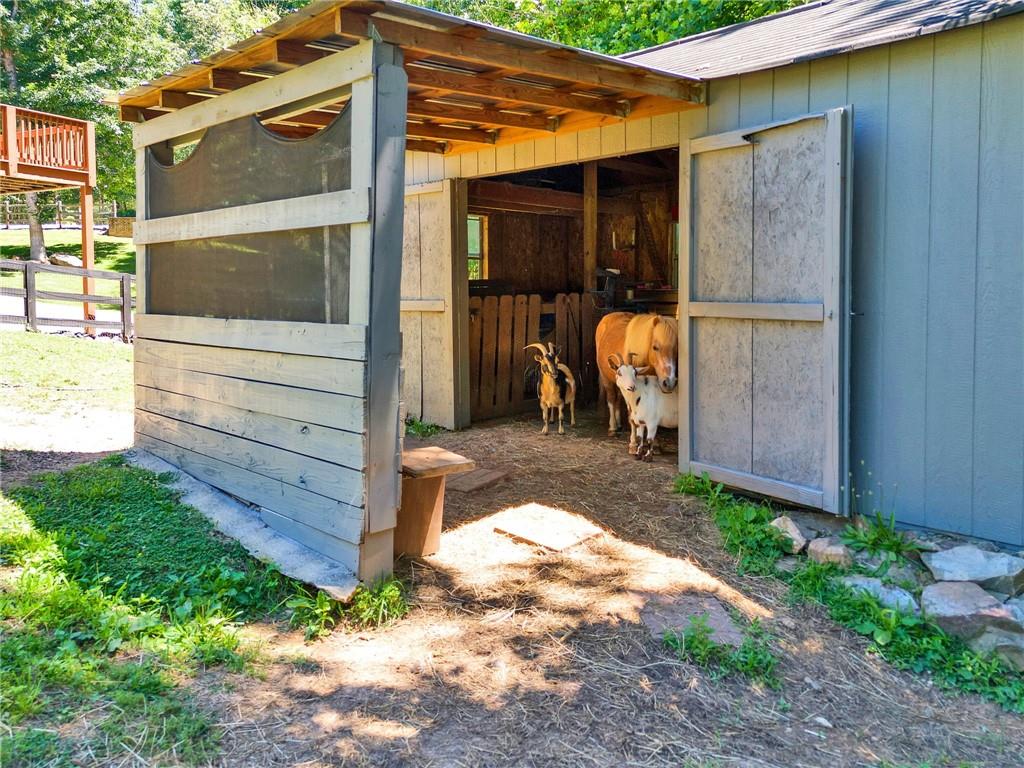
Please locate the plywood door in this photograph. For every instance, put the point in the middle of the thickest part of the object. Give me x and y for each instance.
(763, 299)
(434, 297)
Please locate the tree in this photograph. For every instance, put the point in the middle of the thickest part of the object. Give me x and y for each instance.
(610, 26)
(64, 56)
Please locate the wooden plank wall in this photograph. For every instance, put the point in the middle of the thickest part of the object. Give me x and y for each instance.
(500, 370)
(272, 412)
(938, 263)
(430, 354)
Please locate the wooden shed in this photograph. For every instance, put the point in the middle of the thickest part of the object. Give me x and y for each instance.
(275, 300)
(838, 315)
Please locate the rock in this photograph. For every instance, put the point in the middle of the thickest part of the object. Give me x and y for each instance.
(965, 610)
(992, 570)
(787, 564)
(1015, 606)
(823, 722)
(1002, 597)
(65, 260)
(830, 550)
(664, 613)
(891, 597)
(789, 529)
(814, 525)
(905, 573)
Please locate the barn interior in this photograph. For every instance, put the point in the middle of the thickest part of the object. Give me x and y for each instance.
(530, 237)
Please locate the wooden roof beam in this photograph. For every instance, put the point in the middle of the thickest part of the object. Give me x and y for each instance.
(640, 169)
(501, 54)
(494, 194)
(424, 145)
(504, 90)
(421, 108)
(419, 130)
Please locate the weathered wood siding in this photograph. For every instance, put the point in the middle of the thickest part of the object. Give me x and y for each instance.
(274, 381)
(434, 287)
(937, 380)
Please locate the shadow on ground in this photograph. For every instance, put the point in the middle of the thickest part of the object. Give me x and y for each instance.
(517, 656)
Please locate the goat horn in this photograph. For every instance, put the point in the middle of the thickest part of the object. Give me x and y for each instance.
(632, 358)
(536, 345)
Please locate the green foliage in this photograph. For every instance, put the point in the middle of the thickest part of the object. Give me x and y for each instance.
(754, 658)
(906, 641)
(316, 614)
(879, 537)
(417, 428)
(68, 55)
(118, 585)
(744, 525)
(379, 604)
(610, 26)
(370, 607)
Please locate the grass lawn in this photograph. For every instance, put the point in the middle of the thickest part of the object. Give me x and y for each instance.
(114, 596)
(41, 373)
(116, 254)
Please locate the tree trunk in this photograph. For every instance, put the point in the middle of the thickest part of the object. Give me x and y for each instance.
(37, 246)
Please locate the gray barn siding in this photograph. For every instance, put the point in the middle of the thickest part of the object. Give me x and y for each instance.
(937, 393)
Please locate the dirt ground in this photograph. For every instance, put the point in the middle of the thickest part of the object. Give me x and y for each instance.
(517, 656)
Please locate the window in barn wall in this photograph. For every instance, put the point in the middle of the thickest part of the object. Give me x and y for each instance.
(476, 227)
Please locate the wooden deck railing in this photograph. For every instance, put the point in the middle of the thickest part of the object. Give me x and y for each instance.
(32, 295)
(44, 147)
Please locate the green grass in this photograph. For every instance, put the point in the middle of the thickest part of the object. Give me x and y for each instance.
(116, 254)
(905, 641)
(112, 594)
(754, 658)
(41, 372)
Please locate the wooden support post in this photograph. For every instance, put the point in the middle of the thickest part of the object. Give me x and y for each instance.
(30, 296)
(126, 307)
(10, 139)
(590, 226)
(88, 260)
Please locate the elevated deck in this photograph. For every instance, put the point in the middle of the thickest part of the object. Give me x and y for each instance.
(40, 151)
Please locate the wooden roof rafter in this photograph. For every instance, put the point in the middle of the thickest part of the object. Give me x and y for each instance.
(469, 83)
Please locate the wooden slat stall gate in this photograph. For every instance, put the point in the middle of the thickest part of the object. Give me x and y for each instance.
(267, 354)
(763, 305)
(502, 375)
(435, 290)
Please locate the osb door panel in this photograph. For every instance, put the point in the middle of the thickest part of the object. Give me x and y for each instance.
(764, 299)
(433, 281)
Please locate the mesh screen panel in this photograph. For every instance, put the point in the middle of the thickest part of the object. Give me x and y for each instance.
(241, 162)
(299, 276)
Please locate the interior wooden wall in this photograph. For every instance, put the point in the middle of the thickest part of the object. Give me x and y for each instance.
(536, 253)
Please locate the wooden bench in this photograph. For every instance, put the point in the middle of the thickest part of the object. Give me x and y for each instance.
(418, 531)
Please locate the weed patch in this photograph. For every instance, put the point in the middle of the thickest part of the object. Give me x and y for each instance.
(905, 641)
(417, 428)
(370, 607)
(754, 658)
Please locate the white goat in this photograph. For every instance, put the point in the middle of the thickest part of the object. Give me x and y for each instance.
(649, 407)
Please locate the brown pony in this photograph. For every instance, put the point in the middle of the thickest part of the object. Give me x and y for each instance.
(610, 339)
(655, 342)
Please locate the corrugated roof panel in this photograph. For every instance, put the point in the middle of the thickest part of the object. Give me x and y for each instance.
(815, 30)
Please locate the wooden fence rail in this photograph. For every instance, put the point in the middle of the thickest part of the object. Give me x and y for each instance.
(32, 295)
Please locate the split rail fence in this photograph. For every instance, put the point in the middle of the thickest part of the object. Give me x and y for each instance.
(503, 374)
(32, 295)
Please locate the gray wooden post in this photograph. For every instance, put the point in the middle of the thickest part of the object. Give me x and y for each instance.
(30, 296)
(126, 307)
